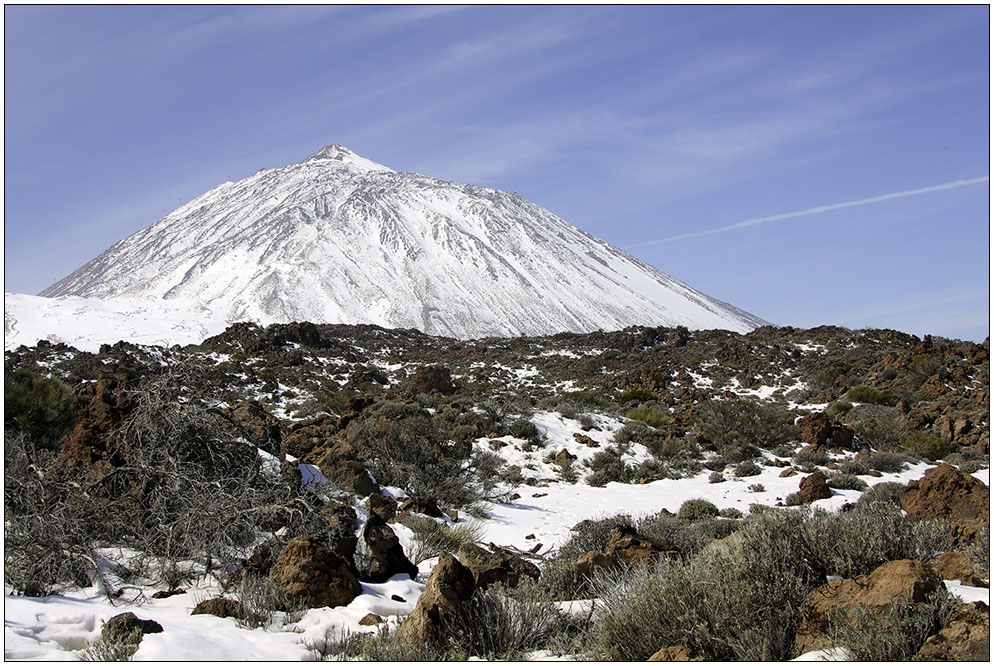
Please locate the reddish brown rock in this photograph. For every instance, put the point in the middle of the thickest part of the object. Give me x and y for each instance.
(908, 580)
(789, 471)
(957, 565)
(311, 573)
(382, 506)
(675, 653)
(946, 493)
(432, 379)
(583, 439)
(220, 607)
(497, 566)
(966, 636)
(638, 551)
(815, 487)
(423, 505)
(450, 586)
(564, 457)
(258, 426)
(815, 428)
(590, 563)
(371, 619)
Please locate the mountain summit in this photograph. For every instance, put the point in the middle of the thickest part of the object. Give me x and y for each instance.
(338, 238)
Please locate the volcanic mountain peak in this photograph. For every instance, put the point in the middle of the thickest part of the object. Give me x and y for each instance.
(336, 152)
(338, 238)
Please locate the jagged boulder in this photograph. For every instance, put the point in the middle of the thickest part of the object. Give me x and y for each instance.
(815, 428)
(341, 522)
(496, 566)
(638, 551)
(948, 494)
(90, 448)
(311, 573)
(378, 554)
(591, 562)
(304, 438)
(909, 580)
(259, 426)
(815, 487)
(966, 636)
(957, 565)
(128, 624)
(383, 506)
(219, 606)
(431, 379)
(675, 653)
(442, 603)
(423, 505)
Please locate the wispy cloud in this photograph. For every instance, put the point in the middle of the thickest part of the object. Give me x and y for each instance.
(817, 209)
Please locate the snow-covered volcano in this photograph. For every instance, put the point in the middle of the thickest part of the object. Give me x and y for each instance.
(338, 238)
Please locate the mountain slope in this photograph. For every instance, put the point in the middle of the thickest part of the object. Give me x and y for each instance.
(337, 238)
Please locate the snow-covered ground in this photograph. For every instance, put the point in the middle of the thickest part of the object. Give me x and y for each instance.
(87, 323)
(60, 627)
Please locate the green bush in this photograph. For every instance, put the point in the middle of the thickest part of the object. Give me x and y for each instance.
(757, 488)
(810, 457)
(463, 433)
(633, 431)
(607, 465)
(637, 395)
(730, 512)
(888, 492)
(650, 415)
(716, 463)
(748, 468)
(587, 398)
(37, 406)
(928, 446)
(523, 428)
(402, 445)
(886, 462)
(794, 499)
(856, 467)
(838, 407)
(857, 541)
(697, 509)
(737, 426)
(843, 481)
(895, 634)
(716, 477)
(869, 394)
(432, 537)
(721, 607)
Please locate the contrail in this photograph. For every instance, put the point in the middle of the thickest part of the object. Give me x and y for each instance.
(818, 209)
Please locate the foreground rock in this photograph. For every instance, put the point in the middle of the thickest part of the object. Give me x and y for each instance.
(378, 553)
(675, 653)
(635, 550)
(957, 565)
(219, 607)
(909, 580)
(946, 493)
(966, 636)
(496, 566)
(312, 574)
(815, 487)
(625, 547)
(128, 625)
(443, 602)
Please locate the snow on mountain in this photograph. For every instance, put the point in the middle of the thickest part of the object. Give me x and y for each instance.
(337, 238)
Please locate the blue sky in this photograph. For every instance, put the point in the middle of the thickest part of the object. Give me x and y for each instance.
(644, 126)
